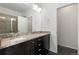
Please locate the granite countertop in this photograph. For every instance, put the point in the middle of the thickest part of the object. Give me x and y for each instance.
(22, 37)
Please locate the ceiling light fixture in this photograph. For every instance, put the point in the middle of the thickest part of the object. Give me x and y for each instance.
(35, 7)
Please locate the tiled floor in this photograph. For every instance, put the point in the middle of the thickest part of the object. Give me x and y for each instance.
(64, 51)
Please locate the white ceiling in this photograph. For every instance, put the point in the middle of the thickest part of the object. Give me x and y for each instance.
(23, 7)
(20, 7)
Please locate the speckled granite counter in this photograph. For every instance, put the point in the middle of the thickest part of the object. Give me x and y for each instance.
(22, 37)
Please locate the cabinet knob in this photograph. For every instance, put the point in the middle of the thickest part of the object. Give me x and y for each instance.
(39, 39)
(39, 44)
(39, 49)
(33, 42)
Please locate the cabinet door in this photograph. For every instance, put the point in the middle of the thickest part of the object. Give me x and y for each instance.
(2, 52)
(29, 47)
(25, 48)
(32, 42)
(36, 47)
(46, 42)
(15, 50)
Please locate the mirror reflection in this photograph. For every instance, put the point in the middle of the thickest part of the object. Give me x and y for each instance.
(8, 24)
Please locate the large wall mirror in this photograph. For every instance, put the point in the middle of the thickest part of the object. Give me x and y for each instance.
(8, 23)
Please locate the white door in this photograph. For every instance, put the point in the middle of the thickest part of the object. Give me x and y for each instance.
(22, 24)
(67, 26)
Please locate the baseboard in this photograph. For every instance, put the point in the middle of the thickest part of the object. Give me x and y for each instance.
(68, 47)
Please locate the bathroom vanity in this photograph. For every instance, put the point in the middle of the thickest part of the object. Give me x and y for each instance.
(25, 44)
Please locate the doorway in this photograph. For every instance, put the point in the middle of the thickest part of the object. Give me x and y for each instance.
(67, 29)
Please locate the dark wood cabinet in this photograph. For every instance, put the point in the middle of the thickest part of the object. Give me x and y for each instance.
(29, 47)
(32, 47)
(15, 50)
(42, 45)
